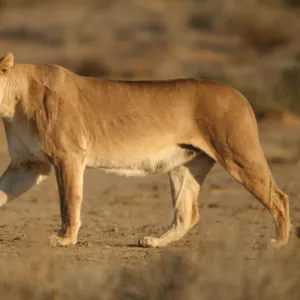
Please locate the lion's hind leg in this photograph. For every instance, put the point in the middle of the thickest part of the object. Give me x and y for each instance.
(249, 167)
(184, 190)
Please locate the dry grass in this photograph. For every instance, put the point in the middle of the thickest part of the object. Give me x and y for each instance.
(216, 272)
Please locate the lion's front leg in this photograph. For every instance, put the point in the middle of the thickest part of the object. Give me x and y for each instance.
(69, 176)
(19, 178)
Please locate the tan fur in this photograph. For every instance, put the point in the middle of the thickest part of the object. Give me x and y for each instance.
(54, 117)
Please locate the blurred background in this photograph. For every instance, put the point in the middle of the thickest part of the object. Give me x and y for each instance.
(253, 45)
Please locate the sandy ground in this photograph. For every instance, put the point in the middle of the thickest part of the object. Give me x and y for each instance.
(117, 211)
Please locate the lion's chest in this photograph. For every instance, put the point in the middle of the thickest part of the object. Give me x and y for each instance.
(22, 144)
(139, 165)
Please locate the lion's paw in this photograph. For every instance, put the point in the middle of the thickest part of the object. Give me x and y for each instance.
(277, 244)
(56, 240)
(148, 242)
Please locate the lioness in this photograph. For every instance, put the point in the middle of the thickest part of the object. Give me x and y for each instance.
(53, 117)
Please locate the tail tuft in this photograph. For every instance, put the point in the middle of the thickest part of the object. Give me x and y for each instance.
(295, 230)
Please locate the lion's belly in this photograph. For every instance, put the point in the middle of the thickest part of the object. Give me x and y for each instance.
(161, 161)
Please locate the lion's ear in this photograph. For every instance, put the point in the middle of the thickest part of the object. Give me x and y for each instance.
(6, 62)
